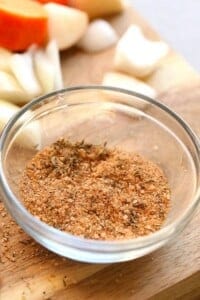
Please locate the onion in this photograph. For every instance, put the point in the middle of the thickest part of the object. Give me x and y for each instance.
(44, 70)
(123, 81)
(10, 90)
(5, 60)
(137, 55)
(29, 136)
(98, 36)
(22, 68)
(52, 53)
(7, 110)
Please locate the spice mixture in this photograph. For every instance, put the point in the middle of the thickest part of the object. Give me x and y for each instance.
(95, 192)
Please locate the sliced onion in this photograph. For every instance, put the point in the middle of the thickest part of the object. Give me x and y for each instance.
(30, 136)
(7, 110)
(10, 90)
(53, 55)
(5, 60)
(116, 79)
(44, 70)
(22, 68)
(137, 55)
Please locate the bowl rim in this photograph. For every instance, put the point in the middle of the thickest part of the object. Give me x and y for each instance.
(89, 244)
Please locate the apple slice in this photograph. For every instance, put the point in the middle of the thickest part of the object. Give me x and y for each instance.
(66, 25)
(97, 8)
(63, 2)
(116, 79)
(10, 90)
(22, 23)
(137, 55)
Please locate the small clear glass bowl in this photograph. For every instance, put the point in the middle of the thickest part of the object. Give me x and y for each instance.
(125, 120)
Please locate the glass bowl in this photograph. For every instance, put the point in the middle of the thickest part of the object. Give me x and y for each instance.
(124, 119)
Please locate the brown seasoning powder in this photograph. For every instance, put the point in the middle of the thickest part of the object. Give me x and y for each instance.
(95, 192)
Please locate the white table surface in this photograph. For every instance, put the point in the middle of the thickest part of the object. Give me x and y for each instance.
(178, 22)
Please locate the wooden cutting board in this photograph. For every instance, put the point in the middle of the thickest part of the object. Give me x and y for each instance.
(173, 272)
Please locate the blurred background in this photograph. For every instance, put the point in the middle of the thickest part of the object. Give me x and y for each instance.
(178, 22)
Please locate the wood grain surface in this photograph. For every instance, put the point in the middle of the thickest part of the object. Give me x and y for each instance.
(172, 272)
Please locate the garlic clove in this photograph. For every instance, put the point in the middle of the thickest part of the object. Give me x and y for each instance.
(66, 25)
(116, 79)
(98, 36)
(137, 55)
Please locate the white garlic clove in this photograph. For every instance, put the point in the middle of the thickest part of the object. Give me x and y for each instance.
(99, 36)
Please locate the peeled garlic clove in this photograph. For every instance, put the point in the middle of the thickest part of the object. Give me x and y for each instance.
(98, 36)
(137, 55)
(116, 79)
(10, 90)
(22, 68)
(66, 24)
(44, 70)
(52, 53)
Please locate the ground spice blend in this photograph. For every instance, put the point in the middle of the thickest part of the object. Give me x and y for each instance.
(95, 192)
